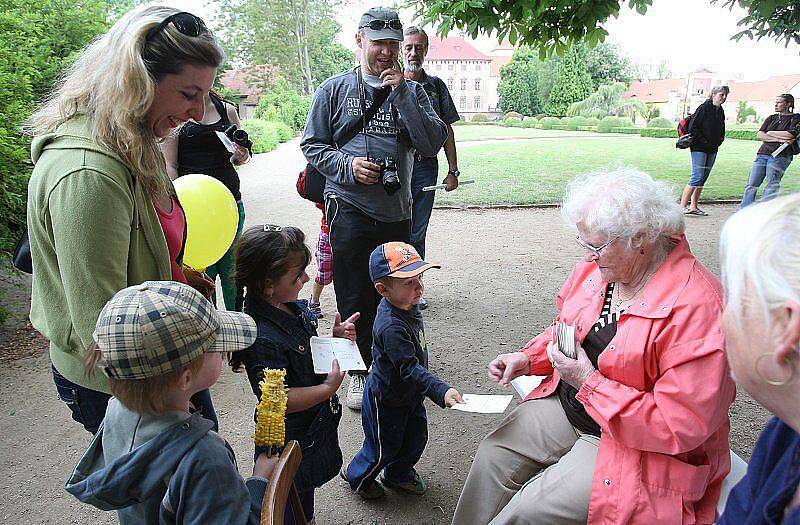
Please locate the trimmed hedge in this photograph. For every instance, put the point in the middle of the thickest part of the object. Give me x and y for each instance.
(626, 122)
(626, 130)
(514, 122)
(479, 117)
(742, 134)
(609, 122)
(529, 122)
(549, 122)
(559, 127)
(587, 128)
(660, 122)
(592, 121)
(513, 114)
(663, 133)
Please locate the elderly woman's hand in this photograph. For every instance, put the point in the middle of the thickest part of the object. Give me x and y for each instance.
(506, 367)
(573, 371)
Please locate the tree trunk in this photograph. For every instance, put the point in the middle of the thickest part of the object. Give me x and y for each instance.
(301, 38)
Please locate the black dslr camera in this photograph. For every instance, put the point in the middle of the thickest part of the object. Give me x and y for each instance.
(389, 177)
(239, 136)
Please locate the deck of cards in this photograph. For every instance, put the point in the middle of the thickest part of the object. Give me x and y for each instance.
(565, 339)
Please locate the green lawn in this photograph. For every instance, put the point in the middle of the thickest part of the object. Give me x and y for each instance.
(488, 132)
(528, 172)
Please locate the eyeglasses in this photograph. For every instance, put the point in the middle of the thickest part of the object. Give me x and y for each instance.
(187, 23)
(595, 250)
(377, 25)
(272, 228)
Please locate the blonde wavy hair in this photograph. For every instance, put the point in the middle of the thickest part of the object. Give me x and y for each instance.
(113, 82)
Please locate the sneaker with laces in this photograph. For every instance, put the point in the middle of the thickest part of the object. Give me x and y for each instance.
(355, 391)
(371, 490)
(415, 486)
(316, 308)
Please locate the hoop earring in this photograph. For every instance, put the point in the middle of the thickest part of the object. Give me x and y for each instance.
(772, 381)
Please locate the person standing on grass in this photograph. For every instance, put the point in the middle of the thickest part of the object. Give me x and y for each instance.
(426, 169)
(361, 212)
(777, 129)
(707, 129)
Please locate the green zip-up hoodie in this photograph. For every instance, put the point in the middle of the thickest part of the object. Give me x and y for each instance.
(93, 231)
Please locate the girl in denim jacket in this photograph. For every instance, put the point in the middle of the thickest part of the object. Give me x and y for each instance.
(270, 272)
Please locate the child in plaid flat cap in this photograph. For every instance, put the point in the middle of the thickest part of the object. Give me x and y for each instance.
(151, 460)
(392, 412)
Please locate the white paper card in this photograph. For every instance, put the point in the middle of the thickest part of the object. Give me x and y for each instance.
(483, 404)
(325, 349)
(524, 385)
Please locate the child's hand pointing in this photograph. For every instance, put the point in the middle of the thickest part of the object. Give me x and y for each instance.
(346, 329)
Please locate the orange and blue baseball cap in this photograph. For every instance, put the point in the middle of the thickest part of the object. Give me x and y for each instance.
(397, 259)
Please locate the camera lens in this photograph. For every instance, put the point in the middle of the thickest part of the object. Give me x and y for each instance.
(389, 178)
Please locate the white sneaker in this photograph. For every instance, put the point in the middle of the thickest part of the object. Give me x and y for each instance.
(355, 391)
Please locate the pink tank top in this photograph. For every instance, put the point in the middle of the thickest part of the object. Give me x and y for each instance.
(173, 225)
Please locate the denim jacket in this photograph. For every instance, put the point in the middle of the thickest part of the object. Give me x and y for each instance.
(284, 341)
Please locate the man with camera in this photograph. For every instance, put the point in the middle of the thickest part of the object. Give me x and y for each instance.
(368, 174)
(426, 169)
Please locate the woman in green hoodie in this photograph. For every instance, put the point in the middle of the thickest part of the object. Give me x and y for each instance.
(102, 212)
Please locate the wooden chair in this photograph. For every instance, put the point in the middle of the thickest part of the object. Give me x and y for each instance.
(281, 488)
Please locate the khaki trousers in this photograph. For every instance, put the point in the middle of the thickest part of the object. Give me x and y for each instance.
(535, 468)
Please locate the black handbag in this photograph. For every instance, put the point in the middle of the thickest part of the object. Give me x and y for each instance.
(21, 258)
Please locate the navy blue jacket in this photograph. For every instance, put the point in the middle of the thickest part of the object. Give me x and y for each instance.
(399, 371)
(284, 341)
(186, 474)
(773, 474)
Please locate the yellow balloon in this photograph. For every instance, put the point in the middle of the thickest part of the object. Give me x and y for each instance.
(211, 219)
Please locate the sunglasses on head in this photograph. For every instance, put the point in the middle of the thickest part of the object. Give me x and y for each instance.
(272, 228)
(377, 25)
(186, 23)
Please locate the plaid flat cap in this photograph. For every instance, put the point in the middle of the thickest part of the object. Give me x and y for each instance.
(158, 327)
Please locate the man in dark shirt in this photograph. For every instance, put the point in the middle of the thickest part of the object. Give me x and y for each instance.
(426, 169)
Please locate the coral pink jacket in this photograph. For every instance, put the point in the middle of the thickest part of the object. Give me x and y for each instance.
(660, 395)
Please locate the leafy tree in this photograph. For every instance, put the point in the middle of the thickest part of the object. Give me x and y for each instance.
(743, 111)
(775, 19)
(607, 65)
(607, 100)
(37, 41)
(284, 104)
(518, 79)
(297, 36)
(571, 81)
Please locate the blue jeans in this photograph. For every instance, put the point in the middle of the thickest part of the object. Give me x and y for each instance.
(88, 406)
(702, 163)
(226, 268)
(769, 167)
(425, 174)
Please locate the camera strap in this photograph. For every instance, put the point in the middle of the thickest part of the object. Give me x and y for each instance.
(367, 114)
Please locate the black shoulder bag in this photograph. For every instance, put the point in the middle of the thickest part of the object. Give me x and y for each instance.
(314, 180)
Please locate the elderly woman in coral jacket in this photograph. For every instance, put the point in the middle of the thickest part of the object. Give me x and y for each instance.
(635, 429)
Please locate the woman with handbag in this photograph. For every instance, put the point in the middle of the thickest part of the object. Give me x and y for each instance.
(102, 212)
(778, 129)
(707, 129)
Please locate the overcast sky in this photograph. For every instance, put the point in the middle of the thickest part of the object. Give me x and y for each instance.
(689, 34)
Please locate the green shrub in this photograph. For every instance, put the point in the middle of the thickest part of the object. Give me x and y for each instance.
(284, 104)
(284, 131)
(587, 128)
(661, 133)
(514, 122)
(559, 127)
(580, 121)
(549, 122)
(567, 123)
(265, 135)
(593, 121)
(480, 117)
(626, 122)
(626, 130)
(512, 114)
(609, 122)
(660, 122)
(529, 122)
(540, 116)
(743, 134)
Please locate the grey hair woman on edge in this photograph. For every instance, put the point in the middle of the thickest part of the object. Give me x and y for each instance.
(638, 420)
(760, 255)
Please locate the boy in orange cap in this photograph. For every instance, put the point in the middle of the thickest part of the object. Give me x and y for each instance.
(392, 413)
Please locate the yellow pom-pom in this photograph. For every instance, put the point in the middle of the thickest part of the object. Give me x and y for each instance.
(271, 418)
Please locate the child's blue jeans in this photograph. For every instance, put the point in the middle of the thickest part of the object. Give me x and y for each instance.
(394, 439)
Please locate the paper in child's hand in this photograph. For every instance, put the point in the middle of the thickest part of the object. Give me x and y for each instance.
(483, 404)
(325, 349)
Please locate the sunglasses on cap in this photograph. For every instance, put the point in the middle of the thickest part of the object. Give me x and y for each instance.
(377, 25)
(186, 23)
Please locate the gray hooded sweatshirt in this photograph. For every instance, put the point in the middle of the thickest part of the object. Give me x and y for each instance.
(335, 103)
(165, 468)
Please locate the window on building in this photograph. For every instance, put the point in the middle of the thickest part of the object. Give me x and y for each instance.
(477, 84)
(477, 102)
(450, 84)
(451, 66)
(477, 66)
(463, 67)
(463, 84)
(438, 67)
(462, 103)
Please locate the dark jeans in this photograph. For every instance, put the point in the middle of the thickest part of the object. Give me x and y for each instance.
(425, 174)
(88, 406)
(353, 236)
